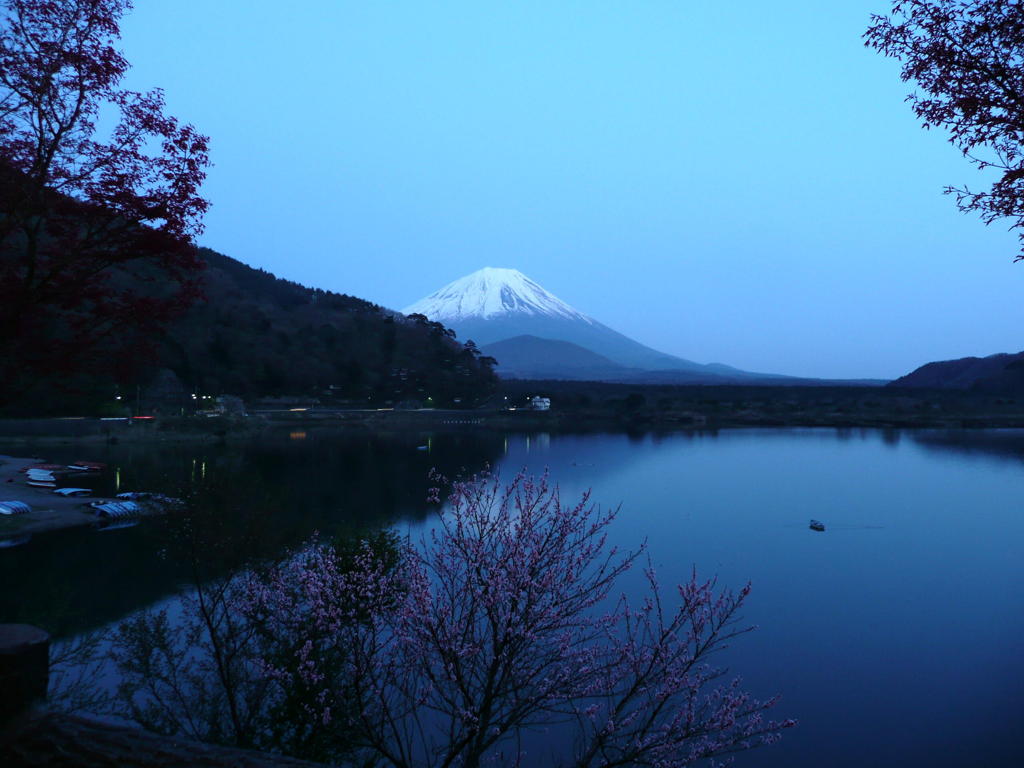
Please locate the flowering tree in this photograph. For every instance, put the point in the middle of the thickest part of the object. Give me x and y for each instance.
(95, 230)
(967, 56)
(214, 669)
(500, 621)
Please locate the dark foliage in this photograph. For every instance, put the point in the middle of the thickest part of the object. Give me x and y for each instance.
(995, 374)
(255, 335)
(967, 57)
(96, 228)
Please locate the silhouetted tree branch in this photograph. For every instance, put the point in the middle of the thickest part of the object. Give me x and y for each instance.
(967, 57)
(95, 230)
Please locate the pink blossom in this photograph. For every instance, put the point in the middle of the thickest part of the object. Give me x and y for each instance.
(503, 618)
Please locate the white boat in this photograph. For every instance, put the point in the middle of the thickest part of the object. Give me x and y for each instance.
(38, 478)
(72, 492)
(117, 510)
(14, 508)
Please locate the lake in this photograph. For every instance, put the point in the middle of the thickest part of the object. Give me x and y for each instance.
(894, 637)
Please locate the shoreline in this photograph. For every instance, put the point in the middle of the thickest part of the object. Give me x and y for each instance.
(49, 511)
(574, 406)
(31, 434)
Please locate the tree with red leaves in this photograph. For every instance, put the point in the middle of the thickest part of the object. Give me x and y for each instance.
(967, 56)
(96, 228)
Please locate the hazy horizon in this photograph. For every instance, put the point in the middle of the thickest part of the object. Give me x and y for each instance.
(736, 185)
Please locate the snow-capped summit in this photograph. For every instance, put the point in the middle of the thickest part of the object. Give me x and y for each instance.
(494, 304)
(489, 293)
(539, 335)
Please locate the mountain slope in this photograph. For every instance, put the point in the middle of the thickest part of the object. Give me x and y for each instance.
(531, 357)
(494, 304)
(256, 335)
(996, 373)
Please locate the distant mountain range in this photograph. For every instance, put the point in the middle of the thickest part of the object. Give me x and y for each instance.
(535, 335)
(995, 374)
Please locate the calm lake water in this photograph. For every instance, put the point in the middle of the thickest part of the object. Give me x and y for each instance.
(894, 637)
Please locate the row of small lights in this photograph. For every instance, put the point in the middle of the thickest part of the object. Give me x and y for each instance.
(194, 397)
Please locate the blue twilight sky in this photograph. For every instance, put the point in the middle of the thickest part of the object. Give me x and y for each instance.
(733, 182)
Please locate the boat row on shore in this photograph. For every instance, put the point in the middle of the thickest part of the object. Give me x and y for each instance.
(49, 475)
(55, 477)
(130, 504)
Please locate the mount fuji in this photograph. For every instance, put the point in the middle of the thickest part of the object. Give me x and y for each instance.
(516, 320)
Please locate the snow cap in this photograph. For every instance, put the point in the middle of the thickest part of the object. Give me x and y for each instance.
(490, 292)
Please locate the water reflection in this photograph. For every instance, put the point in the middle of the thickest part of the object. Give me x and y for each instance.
(267, 494)
(863, 627)
(1001, 443)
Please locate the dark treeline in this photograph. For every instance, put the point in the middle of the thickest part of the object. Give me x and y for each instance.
(256, 336)
(579, 404)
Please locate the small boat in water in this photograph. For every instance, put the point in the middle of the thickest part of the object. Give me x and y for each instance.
(817, 525)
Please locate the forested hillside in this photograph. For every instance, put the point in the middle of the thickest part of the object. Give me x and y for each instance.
(255, 335)
(998, 374)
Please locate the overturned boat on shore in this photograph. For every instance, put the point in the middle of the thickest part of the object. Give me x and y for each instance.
(118, 510)
(134, 504)
(14, 508)
(69, 492)
(41, 478)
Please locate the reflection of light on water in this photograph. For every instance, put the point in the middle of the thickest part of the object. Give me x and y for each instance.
(299, 435)
(117, 479)
(430, 444)
(202, 470)
(506, 444)
(539, 441)
(193, 475)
